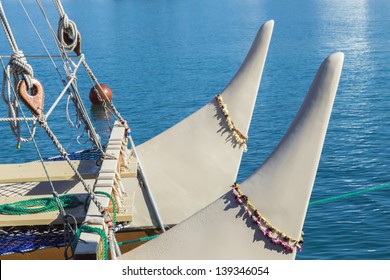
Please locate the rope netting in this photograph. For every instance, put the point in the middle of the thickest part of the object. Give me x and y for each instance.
(93, 154)
(17, 73)
(28, 239)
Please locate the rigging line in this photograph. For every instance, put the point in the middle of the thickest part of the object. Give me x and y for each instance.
(54, 192)
(59, 7)
(13, 111)
(113, 111)
(87, 121)
(36, 56)
(60, 48)
(7, 29)
(40, 38)
(67, 60)
(70, 83)
(104, 105)
(346, 195)
(18, 61)
(90, 191)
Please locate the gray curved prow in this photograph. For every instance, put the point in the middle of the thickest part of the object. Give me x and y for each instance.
(279, 189)
(189, 165)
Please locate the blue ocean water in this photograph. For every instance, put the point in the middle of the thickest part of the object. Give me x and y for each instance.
(164, 59)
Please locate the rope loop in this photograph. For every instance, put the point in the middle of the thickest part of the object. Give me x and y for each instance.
(68, 35)
(20, 67)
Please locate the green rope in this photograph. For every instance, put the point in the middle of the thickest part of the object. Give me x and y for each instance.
(333, 198)
(39, 205)
(147, 238)
(89, 229)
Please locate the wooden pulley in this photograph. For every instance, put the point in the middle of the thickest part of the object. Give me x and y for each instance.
(70, 41)
(33, 98)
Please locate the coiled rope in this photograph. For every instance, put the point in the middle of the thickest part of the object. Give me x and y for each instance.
(19, 69)
(67, 32)
(39, 205)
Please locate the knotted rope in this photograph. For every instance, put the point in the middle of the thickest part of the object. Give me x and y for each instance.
(67, 33)
(19, 69)
(103, 211)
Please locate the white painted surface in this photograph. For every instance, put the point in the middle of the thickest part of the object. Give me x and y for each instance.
(193, 163)
(280, 189)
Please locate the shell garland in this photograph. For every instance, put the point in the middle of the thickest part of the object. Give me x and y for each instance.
(276, 236)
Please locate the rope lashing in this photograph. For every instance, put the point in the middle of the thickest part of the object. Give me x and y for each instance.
(38, 205)
(114, 245)
(19, 70)
(18, 63)
(67, 33)
(114, 206)
(104, 212)
(20, 67)
(94, 230)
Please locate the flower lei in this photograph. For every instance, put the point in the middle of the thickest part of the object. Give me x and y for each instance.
(238, 136)
(273, 234)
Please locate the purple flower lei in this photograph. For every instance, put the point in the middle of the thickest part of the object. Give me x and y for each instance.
(274, 235)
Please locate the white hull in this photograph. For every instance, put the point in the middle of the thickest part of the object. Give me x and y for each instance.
(189, 165)
(280, 190)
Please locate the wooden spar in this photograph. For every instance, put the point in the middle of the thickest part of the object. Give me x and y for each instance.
(58, 170)
(280, 190)
(195, 160)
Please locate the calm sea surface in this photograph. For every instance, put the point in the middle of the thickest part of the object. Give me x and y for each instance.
(164, 59)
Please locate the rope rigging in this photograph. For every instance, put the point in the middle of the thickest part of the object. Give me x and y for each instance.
(67, 33)
(20, 86)
(22, 74)
(17, 71)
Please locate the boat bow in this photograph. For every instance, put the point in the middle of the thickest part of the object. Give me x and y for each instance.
(189, 165)
(279, 190)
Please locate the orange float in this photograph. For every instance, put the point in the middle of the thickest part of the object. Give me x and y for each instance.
(104, 92)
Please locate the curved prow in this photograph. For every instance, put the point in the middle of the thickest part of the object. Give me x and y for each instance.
(279, 190)
(192, 162)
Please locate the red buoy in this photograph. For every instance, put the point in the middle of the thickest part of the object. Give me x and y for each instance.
(106, 96)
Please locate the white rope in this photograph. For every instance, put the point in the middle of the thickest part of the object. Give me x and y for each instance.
(16, 119)
(71, 78)
(105, 213)
(10, 99)
(7, 29)
(59, 7)
(71, 69)
(68, 27)
(19, 69)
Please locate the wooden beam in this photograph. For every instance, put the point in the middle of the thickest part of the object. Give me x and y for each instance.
(57, 170)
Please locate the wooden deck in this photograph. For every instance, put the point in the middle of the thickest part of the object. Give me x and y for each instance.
(116, 176)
